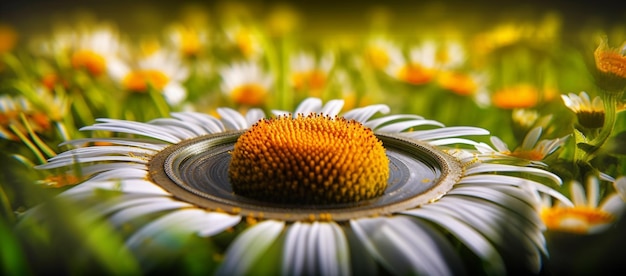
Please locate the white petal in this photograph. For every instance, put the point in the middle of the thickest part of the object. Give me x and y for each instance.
(472, 239)
(578, 194)
(254, 115)
(503, 199)
(174, 93)
(593, 192)
(138, 128)
(232, 119)
(614, 205)
(364, 113)
(134, 212)
(126, 201)
(485, 167)
(190, 129)
(451, 141)
(514, 181)
(373, 124)
(315, 249)
(249, 246)
(185, 221)
(400, 126)
(402, 246)
(294, 249)
(63, 163)
(446, 132)
(139, 143)
(80, 153)
(129, 186)
(531, 139)
(120, 174)
(332, 107)
(209, 123)
(103, 167)
(309, 105)
(620, 186)
(499, 144)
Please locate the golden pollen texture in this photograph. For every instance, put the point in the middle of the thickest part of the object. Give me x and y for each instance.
(312, 159)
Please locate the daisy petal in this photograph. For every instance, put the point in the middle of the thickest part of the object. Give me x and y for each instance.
(232, 119)
(190, 130)
(185, 221)
(131, 213)
(249, 246)
(400, 126)
(373, 124)
(403, 247)
(515, 181)
(309, 105)
(451, 141)
(620, 187)
(209, 123)
(485, 167)
(614, 205)
(137, 128)
(446, 132)
(315, 249)
(127, 186)
(470, 237)
(332, 107)
(139, 143)
(364, 113)
(254, 115)
(531, 138)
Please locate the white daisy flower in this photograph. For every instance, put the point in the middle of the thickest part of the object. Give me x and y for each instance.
(95, 49)
(246, 40)
(418, 68)
(323, 203)
(532, 149)
(245, 83)
(162, 70)
(591, 213)
(190, 41)
(309, 72)
(380, 52)
(589, 113)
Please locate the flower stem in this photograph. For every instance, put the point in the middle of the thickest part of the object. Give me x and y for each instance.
(586, 148)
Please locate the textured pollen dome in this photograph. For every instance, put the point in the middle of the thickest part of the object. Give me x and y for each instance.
(312, 159)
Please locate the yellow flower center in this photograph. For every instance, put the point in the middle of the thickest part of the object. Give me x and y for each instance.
(309, 80)
(535, 155)
(249, 94)
(611, 62)
(575, 219)
(8, 38)
(86, 59)
(415, 74)
(378, 57)
(244, 42)
(458, 83)
(520, 96)
(311, 159)
(62, 180)
(189, 42)
(140, 80)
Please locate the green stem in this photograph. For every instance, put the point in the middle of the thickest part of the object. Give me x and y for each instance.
(29, 144)
(5, 207)
(44, 148)
(610, 110)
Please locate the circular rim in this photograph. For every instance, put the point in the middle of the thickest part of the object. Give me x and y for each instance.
(165, 171)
